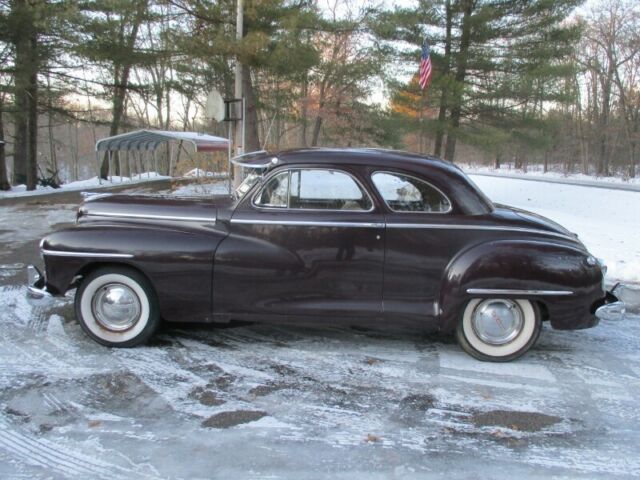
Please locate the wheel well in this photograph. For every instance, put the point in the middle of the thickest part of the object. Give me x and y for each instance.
(544, 310)
(92, 267)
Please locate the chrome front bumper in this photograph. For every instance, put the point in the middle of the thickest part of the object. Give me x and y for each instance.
(613, 306)
(37, 294)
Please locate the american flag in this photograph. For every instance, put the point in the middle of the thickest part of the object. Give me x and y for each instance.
(425, 65)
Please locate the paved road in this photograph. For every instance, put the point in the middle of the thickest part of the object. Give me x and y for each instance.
(291, 402)
(566, 181)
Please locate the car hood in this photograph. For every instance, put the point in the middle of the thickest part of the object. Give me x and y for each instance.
(151, 208)
(526, 219)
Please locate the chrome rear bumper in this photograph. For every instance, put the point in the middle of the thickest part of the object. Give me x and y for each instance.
(37, 293)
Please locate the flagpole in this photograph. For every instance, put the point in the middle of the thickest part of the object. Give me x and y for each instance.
(420, 129)
(423, 82)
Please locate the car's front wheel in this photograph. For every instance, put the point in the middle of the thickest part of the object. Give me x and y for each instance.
(498, 329)
(117, 307)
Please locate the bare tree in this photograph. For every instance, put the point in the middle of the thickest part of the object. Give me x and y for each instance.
(611, 48)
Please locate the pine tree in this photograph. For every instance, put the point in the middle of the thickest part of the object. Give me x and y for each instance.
(496, 63)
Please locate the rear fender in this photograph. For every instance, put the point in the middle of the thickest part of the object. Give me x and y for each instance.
(177, 261)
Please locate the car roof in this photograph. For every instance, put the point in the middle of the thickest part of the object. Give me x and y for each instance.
(377, 157)
(444, 175)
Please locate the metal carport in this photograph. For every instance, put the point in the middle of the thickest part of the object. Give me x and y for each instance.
(149, 140)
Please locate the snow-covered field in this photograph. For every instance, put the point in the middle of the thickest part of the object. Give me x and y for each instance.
(536, 172)
(263, 402)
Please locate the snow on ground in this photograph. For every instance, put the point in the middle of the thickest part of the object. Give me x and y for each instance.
(92, 183)
(259, 401)
(201, 189)
(536, 172)
(607, 221)
(198, 172)
(292, 402)
(16, 225)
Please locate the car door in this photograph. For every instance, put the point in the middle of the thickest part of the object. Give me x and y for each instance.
(308, 241)
(417, 251)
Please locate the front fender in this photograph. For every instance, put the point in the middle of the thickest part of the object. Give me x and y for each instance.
(521, 265)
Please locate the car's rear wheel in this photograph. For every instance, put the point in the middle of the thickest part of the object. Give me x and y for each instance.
(498, 329)
(117, 307)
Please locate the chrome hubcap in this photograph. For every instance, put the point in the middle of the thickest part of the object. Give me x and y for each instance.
(497, 321)
(116, 307)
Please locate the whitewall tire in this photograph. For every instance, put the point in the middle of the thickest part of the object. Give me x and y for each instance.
(117, 307)
(498, 329)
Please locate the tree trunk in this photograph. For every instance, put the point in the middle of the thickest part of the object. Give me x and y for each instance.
(315, 137)
(32, 115)
(252, 139)
(584, 145)
(119, 94)
(634, 143)
(442, 113)
(317, 125)
(23, 25)
(461, 73)
(517, 162)
(20, 136)
(52, 144)
(73, 149)
(4, 180)
(25, 39)
(304, 111)
(603, 161)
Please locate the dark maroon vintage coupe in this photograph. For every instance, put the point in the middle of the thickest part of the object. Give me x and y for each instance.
(360, 236)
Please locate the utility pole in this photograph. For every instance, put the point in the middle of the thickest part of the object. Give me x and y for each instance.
(239, 134)
(239, 126)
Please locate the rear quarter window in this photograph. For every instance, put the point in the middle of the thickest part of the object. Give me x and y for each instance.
(405, 193)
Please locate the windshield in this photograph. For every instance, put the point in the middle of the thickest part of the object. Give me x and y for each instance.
(251, 177)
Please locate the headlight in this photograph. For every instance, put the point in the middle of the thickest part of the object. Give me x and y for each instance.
(603, 269)
(591, 261)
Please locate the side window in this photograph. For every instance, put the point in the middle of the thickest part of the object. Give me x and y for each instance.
(275, 192)
(403, 193)
(326, 190)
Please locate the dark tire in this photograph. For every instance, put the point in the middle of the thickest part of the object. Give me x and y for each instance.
(472, 342)
(117, 307)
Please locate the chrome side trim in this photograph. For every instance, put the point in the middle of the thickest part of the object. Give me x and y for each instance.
(302, 223)
(57, 253)
(506, 291)
(477, 227)
(151, 216)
